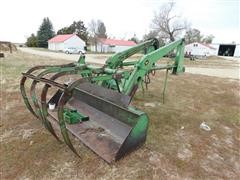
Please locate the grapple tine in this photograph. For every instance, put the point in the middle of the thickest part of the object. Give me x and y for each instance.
(44, 95)
(24, 95)
(23, 89)
(62, 124)
(24, 78)
(62, 101)
(38, 112)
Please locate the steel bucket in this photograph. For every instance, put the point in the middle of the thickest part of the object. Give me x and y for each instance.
(114, 128)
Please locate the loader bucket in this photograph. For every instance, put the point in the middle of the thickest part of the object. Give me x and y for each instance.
(113, 129)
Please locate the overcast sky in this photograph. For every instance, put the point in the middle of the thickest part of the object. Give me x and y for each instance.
(123, 18)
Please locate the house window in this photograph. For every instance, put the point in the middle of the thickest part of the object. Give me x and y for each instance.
(195, 45)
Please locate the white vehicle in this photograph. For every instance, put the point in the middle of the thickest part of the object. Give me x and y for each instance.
(73, 50)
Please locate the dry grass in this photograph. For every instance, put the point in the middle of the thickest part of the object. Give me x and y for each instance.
(175, 147)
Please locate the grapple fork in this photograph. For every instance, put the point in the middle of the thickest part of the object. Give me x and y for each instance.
(96, 108)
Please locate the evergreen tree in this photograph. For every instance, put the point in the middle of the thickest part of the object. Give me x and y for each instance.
(32, 41)
(45, 32)
(65, 30)
(76, 27)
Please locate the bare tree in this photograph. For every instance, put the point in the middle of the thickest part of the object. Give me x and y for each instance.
(97, 30)
(92, 26)
(134, 38)
(167, 24)
(154, 34)
(101, 29)
(150, 35)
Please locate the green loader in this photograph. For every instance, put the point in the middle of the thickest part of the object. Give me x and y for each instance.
(95, 107)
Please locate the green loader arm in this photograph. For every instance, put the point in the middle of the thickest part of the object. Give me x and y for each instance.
(147, 63)
(117, 59)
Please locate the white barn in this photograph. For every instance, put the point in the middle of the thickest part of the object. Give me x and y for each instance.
(60, 42)
(200, 49)
(112, 45)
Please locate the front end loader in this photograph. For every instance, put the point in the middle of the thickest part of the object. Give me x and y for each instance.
(95, 107)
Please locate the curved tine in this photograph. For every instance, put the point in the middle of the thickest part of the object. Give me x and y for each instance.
(38, 112)
(24, 95)
(63, 100)
(49, 66)
(46, 86)
(23, 80)
(23, 89)
(44, 95)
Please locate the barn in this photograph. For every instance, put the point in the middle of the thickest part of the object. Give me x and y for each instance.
(200, 49)
(113, 45)
(63, 41)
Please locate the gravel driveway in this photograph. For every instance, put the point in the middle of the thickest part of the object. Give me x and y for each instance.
(232, 73)
(90, 58)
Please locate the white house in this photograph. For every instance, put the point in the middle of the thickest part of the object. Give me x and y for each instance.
(112, 45)
(60, 42)
(200, 49)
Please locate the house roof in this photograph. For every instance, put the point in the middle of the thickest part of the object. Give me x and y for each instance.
(207, 45)
(117, 42)
(61, 38)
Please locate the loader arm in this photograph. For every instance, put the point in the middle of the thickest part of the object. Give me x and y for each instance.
(147, 63)
(117, 59)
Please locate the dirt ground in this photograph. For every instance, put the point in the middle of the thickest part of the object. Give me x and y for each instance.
(176, 148)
